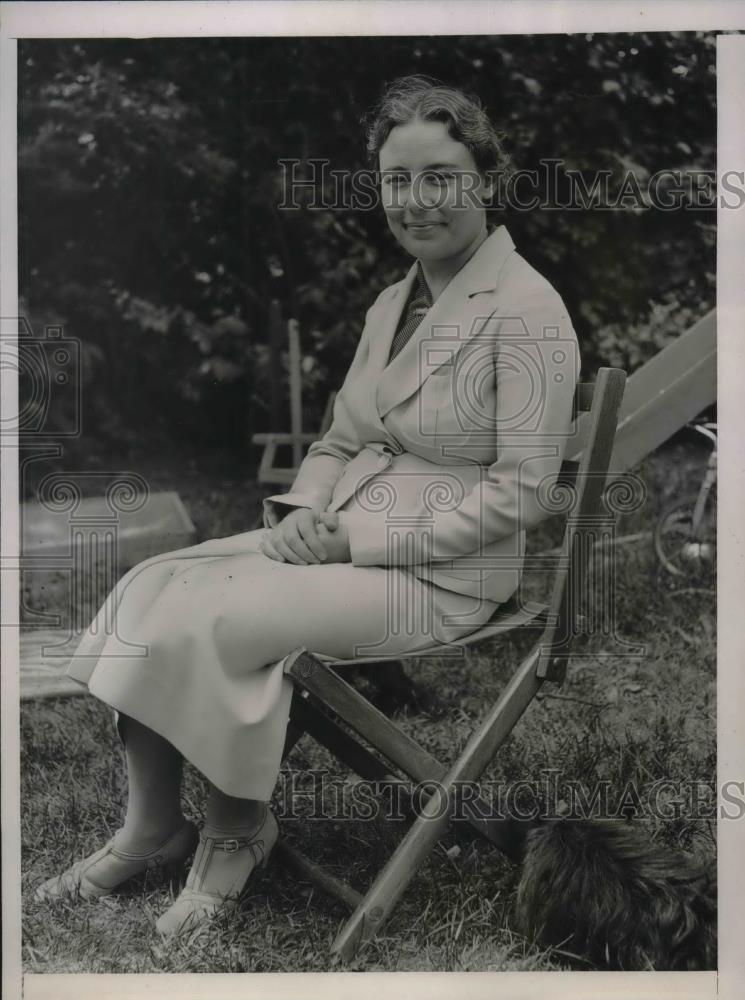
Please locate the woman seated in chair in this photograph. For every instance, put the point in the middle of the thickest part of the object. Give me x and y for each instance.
(404, 527)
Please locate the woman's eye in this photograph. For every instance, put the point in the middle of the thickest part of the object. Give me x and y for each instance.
(437, 177)
(392, 178)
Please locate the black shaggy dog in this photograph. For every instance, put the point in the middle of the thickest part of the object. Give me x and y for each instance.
(600, 890)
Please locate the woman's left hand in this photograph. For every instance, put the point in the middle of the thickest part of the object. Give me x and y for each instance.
(335, 537)
(331, 532)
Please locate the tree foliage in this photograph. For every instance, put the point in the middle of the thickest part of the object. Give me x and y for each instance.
(149, 184)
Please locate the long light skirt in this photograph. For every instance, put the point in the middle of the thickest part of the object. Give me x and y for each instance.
(192, 643)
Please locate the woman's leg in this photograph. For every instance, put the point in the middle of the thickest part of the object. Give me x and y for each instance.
(154, 833)
(211, 684)
(238, 834)
(154, 771)
(226, 815)
(242, 614)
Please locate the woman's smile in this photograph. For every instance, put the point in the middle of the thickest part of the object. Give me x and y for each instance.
(423, 228)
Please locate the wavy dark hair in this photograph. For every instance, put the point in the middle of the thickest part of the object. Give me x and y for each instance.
(424, 98)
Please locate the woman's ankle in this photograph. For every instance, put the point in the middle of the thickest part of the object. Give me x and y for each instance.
(226, 815)
(141, 838)
(249, 824)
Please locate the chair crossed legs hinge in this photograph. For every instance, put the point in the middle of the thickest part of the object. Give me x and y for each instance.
(322, 699)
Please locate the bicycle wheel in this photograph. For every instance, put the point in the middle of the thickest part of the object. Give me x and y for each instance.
(680, 551)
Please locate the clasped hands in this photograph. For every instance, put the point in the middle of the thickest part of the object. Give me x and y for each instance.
(307, 536)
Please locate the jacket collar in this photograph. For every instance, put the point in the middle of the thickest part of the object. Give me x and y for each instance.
(481, 272)
(458, 308)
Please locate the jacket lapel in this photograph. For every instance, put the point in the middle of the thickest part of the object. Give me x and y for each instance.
(457, 315)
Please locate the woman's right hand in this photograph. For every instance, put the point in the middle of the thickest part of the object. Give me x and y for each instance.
(295, 539)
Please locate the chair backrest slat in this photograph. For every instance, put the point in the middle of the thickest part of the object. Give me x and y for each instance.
(583, 397)
(588, 478)
(582, 403)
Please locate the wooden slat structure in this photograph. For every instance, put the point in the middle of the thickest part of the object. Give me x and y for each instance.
(285, 476)
(668, 391)
(331, 710)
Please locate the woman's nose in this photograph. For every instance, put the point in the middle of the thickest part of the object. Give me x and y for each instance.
(409, 198)
(424, 194)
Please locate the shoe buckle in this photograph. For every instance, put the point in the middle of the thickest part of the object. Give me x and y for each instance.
(230, 846)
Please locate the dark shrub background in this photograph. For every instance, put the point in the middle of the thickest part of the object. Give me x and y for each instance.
(149, 228)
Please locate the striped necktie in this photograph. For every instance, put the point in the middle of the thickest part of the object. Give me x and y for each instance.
(419, 303)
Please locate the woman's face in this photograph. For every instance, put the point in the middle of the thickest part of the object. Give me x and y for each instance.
(431, 191)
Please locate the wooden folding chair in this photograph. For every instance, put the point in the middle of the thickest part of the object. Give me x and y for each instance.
(320, 690)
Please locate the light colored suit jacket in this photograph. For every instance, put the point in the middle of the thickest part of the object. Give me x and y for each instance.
(440, 460)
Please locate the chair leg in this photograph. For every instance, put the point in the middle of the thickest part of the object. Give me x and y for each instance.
(330, 735)
(388, 887)
(373, 726)
(324, 880)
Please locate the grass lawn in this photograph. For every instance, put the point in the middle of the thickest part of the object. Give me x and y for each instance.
(628, 721)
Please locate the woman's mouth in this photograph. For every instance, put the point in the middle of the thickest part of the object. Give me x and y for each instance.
(422, 227)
